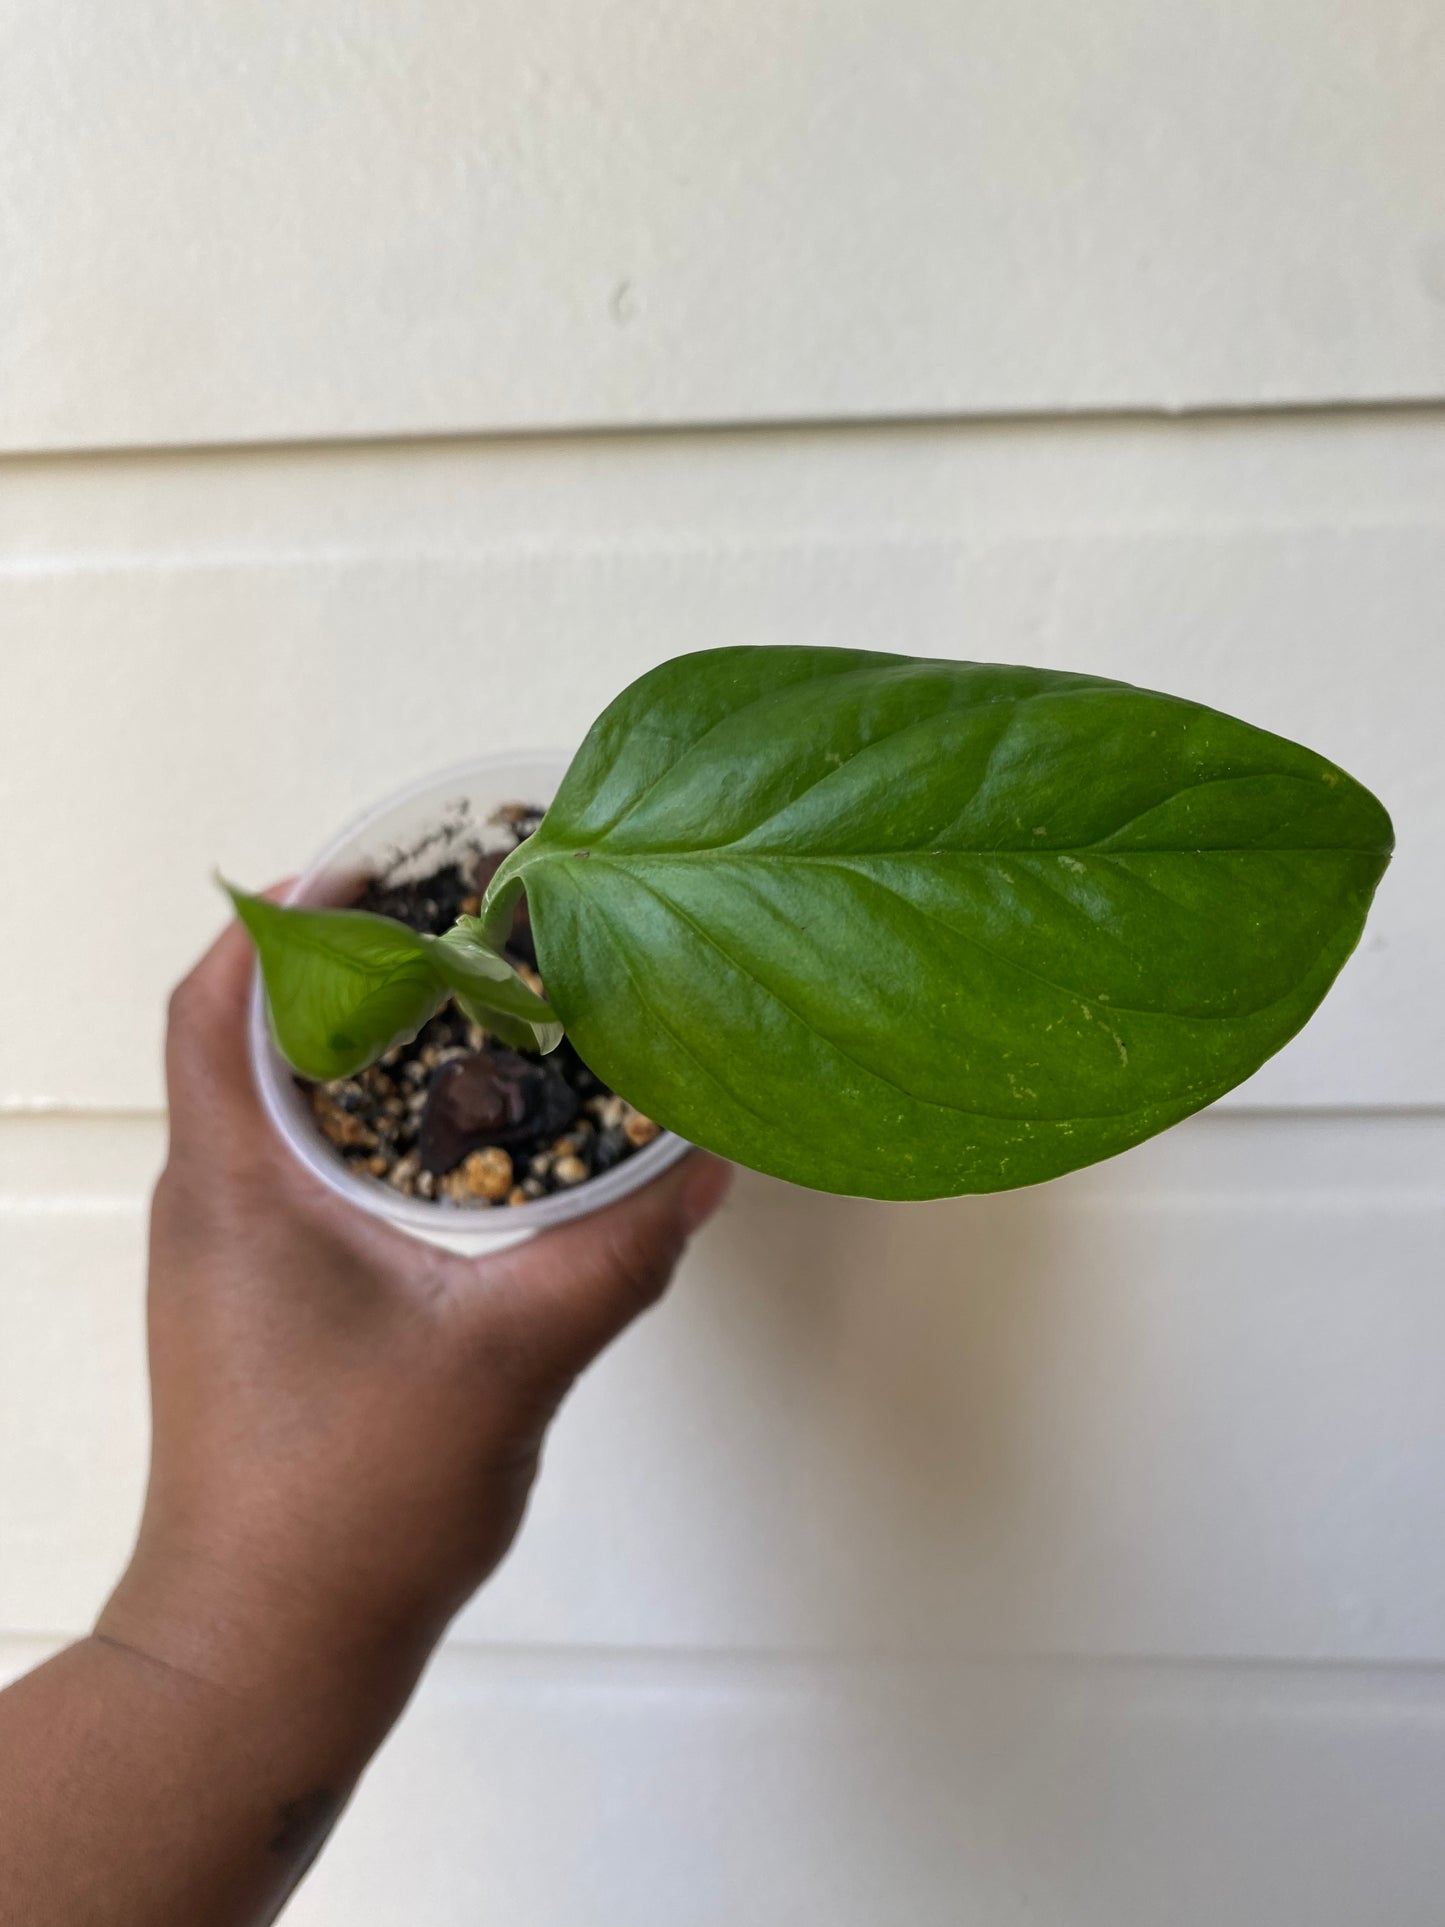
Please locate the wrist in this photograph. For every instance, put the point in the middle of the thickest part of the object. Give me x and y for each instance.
(238, 1624)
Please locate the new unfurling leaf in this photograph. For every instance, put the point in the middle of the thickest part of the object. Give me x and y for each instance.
(489, 989)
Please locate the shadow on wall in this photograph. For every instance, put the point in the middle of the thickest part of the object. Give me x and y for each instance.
(889, 1395)
(1139, 1410)
(902, 1362)
(821, 1531)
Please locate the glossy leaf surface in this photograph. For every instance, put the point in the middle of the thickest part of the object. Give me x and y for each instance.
(910, 928)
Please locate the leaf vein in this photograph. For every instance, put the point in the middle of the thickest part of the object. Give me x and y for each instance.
(874, 666)
(647, 1004)
(1019, 1118)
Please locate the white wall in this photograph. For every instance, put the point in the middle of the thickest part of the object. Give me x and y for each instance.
(1068, 1558)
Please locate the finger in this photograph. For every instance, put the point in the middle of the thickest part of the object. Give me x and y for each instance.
(569, 1292)
(208, 1070)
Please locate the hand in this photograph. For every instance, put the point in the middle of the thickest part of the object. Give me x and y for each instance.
(346, 1425)
(346, 1422)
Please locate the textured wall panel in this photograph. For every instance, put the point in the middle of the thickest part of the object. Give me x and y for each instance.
(747, 1797)
(279, 696)
(1185, 1403)
(353, 218)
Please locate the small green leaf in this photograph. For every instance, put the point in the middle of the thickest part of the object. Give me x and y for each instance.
(490, 991)
(908, 928)
(342, 986)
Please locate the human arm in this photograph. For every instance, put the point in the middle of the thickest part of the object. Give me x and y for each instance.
(345, 1427)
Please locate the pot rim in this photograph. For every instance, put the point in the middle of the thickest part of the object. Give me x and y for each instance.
(442, 1222)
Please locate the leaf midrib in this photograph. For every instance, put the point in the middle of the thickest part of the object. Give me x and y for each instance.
(381, 973)
(1018, 1119)
(731, 852)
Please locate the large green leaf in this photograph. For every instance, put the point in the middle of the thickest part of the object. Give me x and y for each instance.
(910, 928)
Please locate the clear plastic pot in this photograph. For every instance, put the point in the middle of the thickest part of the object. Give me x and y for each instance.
(411, 835)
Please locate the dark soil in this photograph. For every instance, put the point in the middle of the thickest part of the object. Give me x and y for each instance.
(454, 1115)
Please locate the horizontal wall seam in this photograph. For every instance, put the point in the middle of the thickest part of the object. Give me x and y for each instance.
(1080, 419)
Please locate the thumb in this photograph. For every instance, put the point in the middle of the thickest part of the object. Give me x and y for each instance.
(572, 1290)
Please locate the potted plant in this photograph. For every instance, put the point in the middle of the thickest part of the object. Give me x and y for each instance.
(876, 924)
